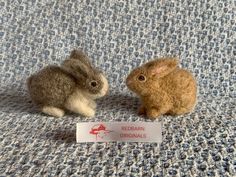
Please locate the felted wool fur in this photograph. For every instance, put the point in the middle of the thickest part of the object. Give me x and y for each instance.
(163, 87)
(73, 86)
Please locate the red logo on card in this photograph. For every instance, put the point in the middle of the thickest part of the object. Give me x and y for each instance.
(100, 131)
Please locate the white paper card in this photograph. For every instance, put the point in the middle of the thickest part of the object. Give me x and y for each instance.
(119, 131)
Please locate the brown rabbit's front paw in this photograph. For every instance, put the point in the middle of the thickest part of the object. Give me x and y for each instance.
(153, 113)
(141, 110)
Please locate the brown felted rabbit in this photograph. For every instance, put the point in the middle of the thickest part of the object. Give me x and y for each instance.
(163, 87)
(73, 86)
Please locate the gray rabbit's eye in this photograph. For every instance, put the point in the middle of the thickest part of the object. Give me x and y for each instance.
(93, 83)
(141, 78)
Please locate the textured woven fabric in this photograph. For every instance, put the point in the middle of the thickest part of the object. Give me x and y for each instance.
(118, 36)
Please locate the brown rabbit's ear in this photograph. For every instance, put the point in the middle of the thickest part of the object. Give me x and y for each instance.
(163, 67)
(80, 55)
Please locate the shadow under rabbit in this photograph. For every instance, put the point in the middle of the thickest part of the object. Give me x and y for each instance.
(68, 136)
(119, 102)
(13, 101)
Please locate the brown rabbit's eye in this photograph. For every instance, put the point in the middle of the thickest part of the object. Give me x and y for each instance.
(141, 78)
(93, 83)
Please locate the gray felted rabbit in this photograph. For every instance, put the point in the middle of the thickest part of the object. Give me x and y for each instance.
(73, 86)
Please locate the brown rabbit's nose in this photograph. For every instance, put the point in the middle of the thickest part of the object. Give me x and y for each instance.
(128, 82)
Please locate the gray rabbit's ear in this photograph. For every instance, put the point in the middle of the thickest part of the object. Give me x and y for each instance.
(77, 69)
(163, 67)
(81, 56)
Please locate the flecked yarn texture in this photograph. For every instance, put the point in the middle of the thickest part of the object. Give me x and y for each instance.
(119, 36)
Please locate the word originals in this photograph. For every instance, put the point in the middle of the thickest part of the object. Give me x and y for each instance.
(132, 135)
(132, 128)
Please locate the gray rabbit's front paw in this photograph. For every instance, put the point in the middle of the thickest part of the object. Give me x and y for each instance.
(89, 112)
(53, 111)
(81, 106)
(92, 104)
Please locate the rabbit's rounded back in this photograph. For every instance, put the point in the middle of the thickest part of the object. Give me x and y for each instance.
(182, 87)
(51, 86)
